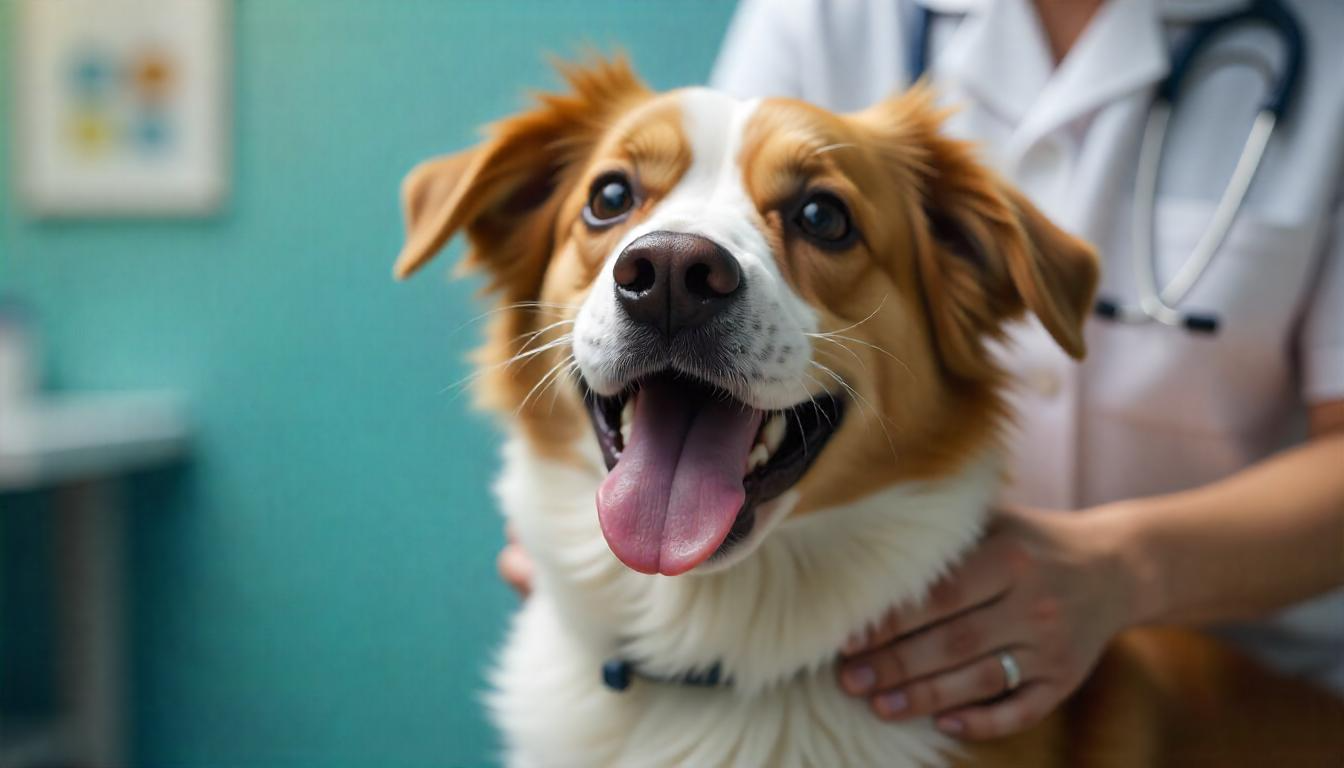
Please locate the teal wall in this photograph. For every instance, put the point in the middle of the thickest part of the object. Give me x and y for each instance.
(318, 587)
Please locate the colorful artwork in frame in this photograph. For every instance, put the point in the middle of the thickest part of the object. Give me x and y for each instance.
(121, 106)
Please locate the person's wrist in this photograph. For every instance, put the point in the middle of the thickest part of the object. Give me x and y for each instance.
(1126, 562)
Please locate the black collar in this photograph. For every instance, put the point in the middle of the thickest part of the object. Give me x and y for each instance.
(618, 674)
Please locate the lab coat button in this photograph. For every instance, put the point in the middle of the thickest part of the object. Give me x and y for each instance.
(1044, 158)
(1045, 382)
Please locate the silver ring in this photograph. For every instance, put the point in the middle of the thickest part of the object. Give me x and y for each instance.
(1012, 674)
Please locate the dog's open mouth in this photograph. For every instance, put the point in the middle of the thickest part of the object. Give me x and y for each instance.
(689, 464)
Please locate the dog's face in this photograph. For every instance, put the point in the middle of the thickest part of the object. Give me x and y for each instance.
(744, 303)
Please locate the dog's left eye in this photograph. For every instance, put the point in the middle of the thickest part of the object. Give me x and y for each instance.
(609, 199)
(825, 219)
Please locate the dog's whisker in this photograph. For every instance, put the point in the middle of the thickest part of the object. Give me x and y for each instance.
(882, 420)
(832, 148)
(815, 405)
(534, 305)
(562, 340)
(550, 373)
(875, 347)
(534, 334)
(870, 316)
(852, 353)
(539, 307)
(849, 388)
(571, 370)
(520, 357)
(567, 364)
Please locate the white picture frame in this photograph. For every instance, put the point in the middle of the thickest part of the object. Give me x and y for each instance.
(122, 106)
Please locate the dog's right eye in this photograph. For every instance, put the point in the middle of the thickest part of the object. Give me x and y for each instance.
(825, 220)
(609, 200)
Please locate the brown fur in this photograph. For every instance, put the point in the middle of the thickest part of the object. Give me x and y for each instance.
(949, 254)
(1170, 698)
(507, 195)
(913, 303)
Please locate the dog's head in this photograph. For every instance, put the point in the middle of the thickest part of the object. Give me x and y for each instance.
(741, 299)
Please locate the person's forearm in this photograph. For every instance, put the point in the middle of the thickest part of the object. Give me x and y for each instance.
(1255, 542)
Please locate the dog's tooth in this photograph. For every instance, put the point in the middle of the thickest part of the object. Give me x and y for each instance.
(627, 417)
(757, 458)
(773, 434)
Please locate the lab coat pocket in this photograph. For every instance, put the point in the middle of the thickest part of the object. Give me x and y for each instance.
(1236, 380)
(1255, 279)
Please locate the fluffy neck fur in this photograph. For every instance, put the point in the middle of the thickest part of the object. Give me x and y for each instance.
(781, 612)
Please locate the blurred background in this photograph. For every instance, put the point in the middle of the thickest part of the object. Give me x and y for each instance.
(244, 517)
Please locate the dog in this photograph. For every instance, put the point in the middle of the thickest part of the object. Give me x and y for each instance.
(744, 358)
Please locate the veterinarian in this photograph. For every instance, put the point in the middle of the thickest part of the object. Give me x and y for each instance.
(1201, 450)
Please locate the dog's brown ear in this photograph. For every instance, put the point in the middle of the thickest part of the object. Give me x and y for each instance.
(994, 255)
(1053, 272)
(985, 253)
(490, 191)
(430, 196)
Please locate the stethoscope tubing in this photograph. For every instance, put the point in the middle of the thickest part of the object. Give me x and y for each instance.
(1156, 304)
(1160, 305)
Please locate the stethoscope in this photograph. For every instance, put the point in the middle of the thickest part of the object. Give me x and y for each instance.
(1156, 304)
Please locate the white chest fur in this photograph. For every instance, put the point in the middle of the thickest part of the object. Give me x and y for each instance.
(773, 623)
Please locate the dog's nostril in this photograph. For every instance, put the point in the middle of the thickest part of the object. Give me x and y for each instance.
(714, 279)
(635, 275)
(698, 282)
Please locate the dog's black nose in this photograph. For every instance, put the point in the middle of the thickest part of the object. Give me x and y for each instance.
(673, 280)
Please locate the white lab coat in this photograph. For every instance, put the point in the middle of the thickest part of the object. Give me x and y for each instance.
(1153, 409)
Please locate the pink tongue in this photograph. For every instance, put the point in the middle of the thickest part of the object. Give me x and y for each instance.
(670, 501)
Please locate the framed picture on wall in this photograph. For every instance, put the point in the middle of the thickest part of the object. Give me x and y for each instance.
(121, 106)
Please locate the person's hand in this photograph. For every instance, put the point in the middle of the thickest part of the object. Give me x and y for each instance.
(1042, 586)
(515, 565)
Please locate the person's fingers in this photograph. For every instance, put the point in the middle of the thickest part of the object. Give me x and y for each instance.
(515, 568)
(976, 682)
(1004, 516)
(945, 646)
(1012, 714)
(978, 580)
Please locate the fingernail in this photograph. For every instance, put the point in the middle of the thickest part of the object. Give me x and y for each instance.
(893, 703)
(950, 725)
(853, 645)
(860, 679)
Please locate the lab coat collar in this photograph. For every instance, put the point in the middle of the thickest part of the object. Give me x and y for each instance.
(1002, 59)
(1123, 50)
